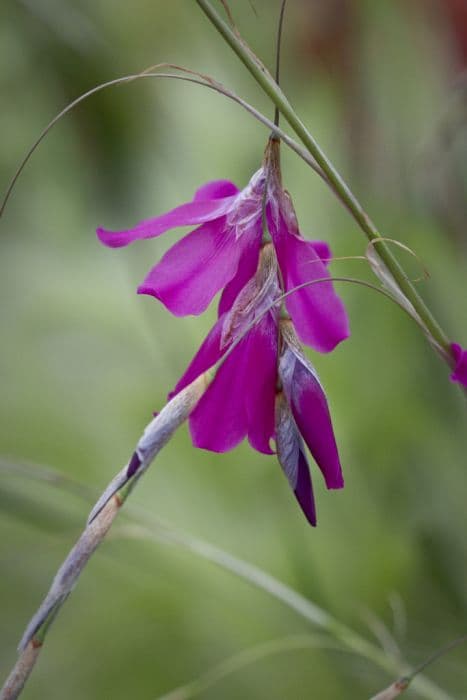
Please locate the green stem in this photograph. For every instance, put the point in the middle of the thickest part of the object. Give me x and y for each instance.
(333, 178)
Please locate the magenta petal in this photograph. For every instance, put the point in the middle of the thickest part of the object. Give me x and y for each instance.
(311, 412)
(247, 266)
(192, 213)
(318, 314)
(217, 189)
(460, 371)
(219, 422)
(260, 383)
(322, 250)
(194, 269)
(206, 357)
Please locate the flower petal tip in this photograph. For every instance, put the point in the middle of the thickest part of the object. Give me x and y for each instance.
(111, 239)
(335, 482)
(216, 189)
(147, 289)
(261, 447)
(332, 341)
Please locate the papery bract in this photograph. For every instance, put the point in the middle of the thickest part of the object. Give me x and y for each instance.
(291, 456)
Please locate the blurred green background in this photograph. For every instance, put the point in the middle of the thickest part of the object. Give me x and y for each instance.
(84, 360)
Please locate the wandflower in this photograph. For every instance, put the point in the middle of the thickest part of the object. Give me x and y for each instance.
(247, 243)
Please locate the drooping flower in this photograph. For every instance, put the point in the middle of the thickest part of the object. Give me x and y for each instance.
(223, 252)
(248, 245)
(265, 388)
(460, 370)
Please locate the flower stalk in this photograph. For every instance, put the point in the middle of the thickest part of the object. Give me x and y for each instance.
(66, 577)
(102, 516)
(393, 691)
(15, 682)
(266, 81)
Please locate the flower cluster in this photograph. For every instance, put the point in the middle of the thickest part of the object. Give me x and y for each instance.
(248, 245)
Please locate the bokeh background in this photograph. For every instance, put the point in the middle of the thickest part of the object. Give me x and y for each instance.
(84, 360)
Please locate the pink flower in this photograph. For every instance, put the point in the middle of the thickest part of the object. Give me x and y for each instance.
(247, 244)
(460, 370)
(265, 388)
(222, 253)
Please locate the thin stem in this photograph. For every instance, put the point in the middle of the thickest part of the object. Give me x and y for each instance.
(202, 80)
(399, 686)
(394, 690)
(437, 655)
(20, 673)
(66, 577)
(278, 55)
(154, 438)
(332, 176)
(229, 14)
(282, 297)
